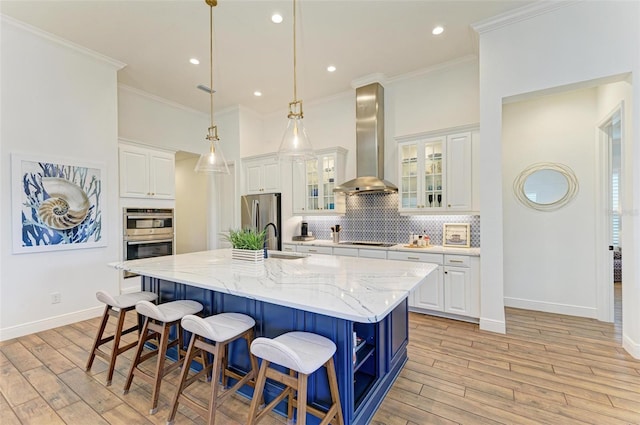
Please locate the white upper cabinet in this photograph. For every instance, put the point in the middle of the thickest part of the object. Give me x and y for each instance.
(314, 180)
(146, 173)
(436, 173)
(262, 174)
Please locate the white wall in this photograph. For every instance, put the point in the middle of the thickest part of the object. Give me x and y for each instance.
(56, 101)
(582, 41)
(549, 260)
(191, 209)
(157, 122)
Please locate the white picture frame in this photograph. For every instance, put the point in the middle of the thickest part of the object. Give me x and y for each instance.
(57, 203)
(456, 235)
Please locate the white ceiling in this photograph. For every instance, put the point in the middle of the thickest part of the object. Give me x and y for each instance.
(360, 37)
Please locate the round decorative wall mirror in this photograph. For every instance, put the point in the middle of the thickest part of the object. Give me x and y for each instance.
(546, 186)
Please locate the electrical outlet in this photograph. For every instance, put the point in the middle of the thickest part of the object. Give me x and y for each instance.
(56, 297)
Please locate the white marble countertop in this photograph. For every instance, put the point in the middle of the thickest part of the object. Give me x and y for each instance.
(357, 289)
(433, 249)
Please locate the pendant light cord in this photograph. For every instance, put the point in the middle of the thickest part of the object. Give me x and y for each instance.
(295, 91)
(211, 59)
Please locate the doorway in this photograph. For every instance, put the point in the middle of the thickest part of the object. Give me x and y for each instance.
(610, 147)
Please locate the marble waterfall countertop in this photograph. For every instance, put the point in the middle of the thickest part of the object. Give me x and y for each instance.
(357, 289)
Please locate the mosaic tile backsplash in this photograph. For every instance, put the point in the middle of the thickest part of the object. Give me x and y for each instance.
(375, 217)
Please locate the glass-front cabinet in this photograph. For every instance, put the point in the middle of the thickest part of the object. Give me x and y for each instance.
(435, 173)
(422, 174)
(314, 180)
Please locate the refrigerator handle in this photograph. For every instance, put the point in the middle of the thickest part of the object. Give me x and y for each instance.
(255, 215)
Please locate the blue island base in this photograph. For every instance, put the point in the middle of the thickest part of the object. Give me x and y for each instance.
(363, 378)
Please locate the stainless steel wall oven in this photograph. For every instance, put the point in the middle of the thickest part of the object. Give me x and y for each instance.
(148, 232)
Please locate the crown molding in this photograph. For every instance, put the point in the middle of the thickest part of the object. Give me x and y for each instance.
(61, 41)
(434, 68)
(369, 79)
(520, 14)
(158, 99)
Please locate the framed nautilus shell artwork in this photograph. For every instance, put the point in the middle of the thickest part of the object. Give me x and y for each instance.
(57, 204)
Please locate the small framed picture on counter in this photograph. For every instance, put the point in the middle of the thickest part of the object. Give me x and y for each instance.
(456, 235)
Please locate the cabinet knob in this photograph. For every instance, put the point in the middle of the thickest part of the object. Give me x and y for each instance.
(449, 205)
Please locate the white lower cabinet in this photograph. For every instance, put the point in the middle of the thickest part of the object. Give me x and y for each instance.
(315, 249)
(430, 295)
(453, 288)
(345, 252)
(462, 285)
(372, 253)
(289, 247)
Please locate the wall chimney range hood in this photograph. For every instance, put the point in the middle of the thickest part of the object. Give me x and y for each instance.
(369, 144)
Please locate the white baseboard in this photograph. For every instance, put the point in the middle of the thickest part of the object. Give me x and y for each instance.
(497, 326)
(49, 323)
(631, 347)
(547, 307)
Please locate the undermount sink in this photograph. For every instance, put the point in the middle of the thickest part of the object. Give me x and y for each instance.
(284, 255)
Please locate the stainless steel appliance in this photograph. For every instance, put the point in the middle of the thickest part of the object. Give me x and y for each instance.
(148, 232)
(369, 144)
(259, 210)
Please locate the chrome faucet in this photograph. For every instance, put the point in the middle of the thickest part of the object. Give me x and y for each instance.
(275, 234)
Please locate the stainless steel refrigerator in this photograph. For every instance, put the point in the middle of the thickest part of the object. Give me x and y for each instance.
(259, 210)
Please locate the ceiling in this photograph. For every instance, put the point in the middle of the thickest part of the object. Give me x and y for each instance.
(156, 39)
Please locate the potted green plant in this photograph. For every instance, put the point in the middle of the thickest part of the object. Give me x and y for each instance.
(247, 244)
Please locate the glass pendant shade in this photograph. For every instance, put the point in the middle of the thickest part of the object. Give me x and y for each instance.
(295, 145)
(212, 161)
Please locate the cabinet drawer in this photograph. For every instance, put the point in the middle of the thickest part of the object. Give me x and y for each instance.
(456, 260)
(315, 249)
(373, 253)
(346, 252)
(415, 256)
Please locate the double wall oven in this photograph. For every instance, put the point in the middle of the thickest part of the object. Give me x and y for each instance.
(148, 232)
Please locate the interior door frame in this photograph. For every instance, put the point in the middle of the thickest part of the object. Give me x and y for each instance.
(603, 233)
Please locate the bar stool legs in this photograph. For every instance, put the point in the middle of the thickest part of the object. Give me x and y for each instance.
(124, 303)
(157, 325)
(222, 329)
(302, 353)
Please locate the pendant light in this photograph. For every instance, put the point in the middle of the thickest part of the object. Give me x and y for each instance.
(295, 145)
(212, 161)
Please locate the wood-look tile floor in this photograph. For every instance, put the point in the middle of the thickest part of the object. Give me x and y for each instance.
(547, 369)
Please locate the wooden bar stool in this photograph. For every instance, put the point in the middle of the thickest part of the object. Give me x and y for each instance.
(222, 329)
(157, 324)
(117, 307)
(302, 353)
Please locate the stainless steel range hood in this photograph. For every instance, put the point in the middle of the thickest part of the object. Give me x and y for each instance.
(369, 144)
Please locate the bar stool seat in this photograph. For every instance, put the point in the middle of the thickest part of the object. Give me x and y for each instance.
(157, 325)
(123, 303)
(222, 329)
(302, 353)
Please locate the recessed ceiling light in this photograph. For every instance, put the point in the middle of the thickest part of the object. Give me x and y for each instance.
(194, 61)
(257, 93)
(437, 30)
(331, 68)
(276, 18)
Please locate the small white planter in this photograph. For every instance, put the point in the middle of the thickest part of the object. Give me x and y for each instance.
(256, 256)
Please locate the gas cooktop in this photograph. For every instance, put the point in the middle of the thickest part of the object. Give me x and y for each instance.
(367, 243)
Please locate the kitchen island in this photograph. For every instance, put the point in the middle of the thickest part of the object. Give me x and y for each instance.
(328, 295)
